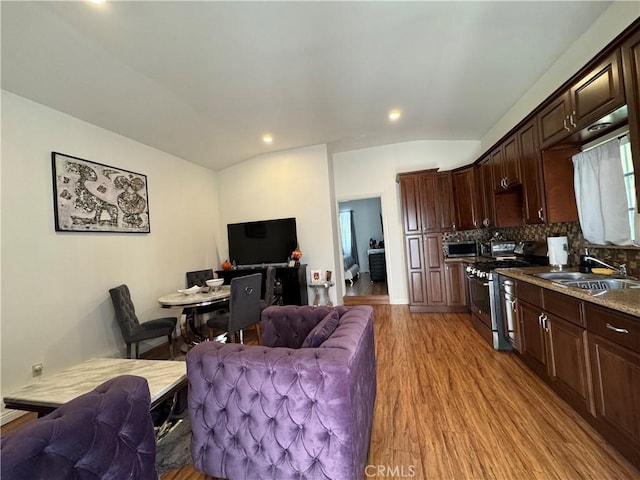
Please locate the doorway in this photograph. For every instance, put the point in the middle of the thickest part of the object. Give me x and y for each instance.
(364, 253)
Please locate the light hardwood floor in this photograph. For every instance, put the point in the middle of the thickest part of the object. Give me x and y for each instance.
(449, 407)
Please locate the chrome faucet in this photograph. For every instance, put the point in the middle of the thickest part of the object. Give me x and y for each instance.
(621, 268)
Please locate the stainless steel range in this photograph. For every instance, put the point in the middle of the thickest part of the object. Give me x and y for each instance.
(484, 292)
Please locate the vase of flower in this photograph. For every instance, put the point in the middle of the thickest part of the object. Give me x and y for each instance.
(296, 255)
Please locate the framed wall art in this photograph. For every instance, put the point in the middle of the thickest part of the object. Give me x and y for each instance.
(92, 197)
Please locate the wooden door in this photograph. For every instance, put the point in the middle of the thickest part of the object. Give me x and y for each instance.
(416, 269)
(510, 162)
(410, 198)
(531, 170)
(446, 200)
(560, 197)
(532, 337)
(495, 161)
(598, 93)
(435, 275)
(616, 380)
(464, 189)
(456, 284)
(429, 202)
(553, 120)
(567, 353)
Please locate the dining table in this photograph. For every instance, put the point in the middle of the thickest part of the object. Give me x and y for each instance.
(190, 331)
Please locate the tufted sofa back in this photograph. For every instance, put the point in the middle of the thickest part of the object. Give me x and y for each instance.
(274, 412)
(104, 434)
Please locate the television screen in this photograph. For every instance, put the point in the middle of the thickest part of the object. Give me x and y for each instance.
(257, 243)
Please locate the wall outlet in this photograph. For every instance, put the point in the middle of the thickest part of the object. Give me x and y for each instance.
(36, 370)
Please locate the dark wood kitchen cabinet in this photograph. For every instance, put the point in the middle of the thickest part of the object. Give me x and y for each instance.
(456, 282)
(484, 182)
(435, 274)
(553, 342)
(533, 201)
(508, 170)
(466, 199)
(614, 346)
(595, 94)
(414, 252)
(420, 203)
(447, 206)
(426, 275)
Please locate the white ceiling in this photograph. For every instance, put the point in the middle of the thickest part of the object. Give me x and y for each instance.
(204, 80)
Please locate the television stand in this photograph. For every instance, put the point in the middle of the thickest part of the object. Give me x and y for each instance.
(293, 281)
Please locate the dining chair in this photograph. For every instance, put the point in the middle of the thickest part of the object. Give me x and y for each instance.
(132, 330)
(200, 277)
(269, 288)
(244, 307)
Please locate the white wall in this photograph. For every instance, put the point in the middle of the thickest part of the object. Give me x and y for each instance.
(608, 26)
(371, 172)
(56, 307)
(293, 183)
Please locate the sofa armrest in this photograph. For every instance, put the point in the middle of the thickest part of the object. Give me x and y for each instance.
(288, 326)
(106, 433)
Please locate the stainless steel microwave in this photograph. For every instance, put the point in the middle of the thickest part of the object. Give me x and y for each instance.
(460, 249)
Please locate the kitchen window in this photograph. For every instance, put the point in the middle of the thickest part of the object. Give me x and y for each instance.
(605, 192)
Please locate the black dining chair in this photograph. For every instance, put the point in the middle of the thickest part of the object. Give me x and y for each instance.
(132, 330)
(244, 307)
(200, 277)
(269, 288)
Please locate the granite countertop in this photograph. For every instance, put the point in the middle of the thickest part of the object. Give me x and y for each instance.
(624, 300)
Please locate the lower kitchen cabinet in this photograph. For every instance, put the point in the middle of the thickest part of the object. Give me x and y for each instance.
(456, 281)
(555, 348)
(532, 338)
(589, 355)
(567, 357)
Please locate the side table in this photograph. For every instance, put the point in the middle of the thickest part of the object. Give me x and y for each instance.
(323, 286)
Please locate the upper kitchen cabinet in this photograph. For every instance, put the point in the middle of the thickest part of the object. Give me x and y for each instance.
(447, 207)
(591, 98)
(631, 68)
(420, 204)
(510, 165)
(484, 184)
(466, 199)
(531, 171)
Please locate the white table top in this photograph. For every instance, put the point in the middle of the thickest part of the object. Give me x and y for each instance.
(178, 299)
(162, 376)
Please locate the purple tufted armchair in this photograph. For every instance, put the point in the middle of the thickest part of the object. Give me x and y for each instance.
(279, 411)
(104, 434)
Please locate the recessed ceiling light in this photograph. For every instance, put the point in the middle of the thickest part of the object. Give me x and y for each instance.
(266, 138)
(394, 115)
(97, 2)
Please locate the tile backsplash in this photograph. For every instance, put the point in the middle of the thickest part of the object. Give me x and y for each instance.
(539, 233)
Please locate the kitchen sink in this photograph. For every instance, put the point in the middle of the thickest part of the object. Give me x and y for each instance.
(553, 276)
(606, 284)
(590, 281)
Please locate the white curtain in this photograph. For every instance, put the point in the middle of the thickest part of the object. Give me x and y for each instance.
(345, 233)
(601, 195)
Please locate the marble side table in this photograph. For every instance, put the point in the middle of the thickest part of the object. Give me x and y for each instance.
(324, 287)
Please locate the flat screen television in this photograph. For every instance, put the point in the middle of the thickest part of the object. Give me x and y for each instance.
(262, 242)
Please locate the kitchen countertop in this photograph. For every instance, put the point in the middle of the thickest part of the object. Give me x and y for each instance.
(624, 300)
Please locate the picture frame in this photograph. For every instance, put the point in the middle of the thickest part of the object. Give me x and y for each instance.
(94, 197)
(316, 276)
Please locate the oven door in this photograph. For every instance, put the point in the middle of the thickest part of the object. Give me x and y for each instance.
(479, 299)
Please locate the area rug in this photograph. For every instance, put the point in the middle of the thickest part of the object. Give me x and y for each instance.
(174, 449)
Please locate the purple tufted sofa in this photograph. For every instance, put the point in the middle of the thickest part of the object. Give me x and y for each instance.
(279, 411)
(104, 434)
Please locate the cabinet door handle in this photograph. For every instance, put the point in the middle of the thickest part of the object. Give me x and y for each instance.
(486, 222)
(573, 124)
(513, 306)
(540, 214)
(540, 319)
(475, 223)
(454, 226)
(616, 329)
(564, 122)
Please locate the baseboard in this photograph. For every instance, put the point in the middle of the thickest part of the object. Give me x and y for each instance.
(10, 415)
